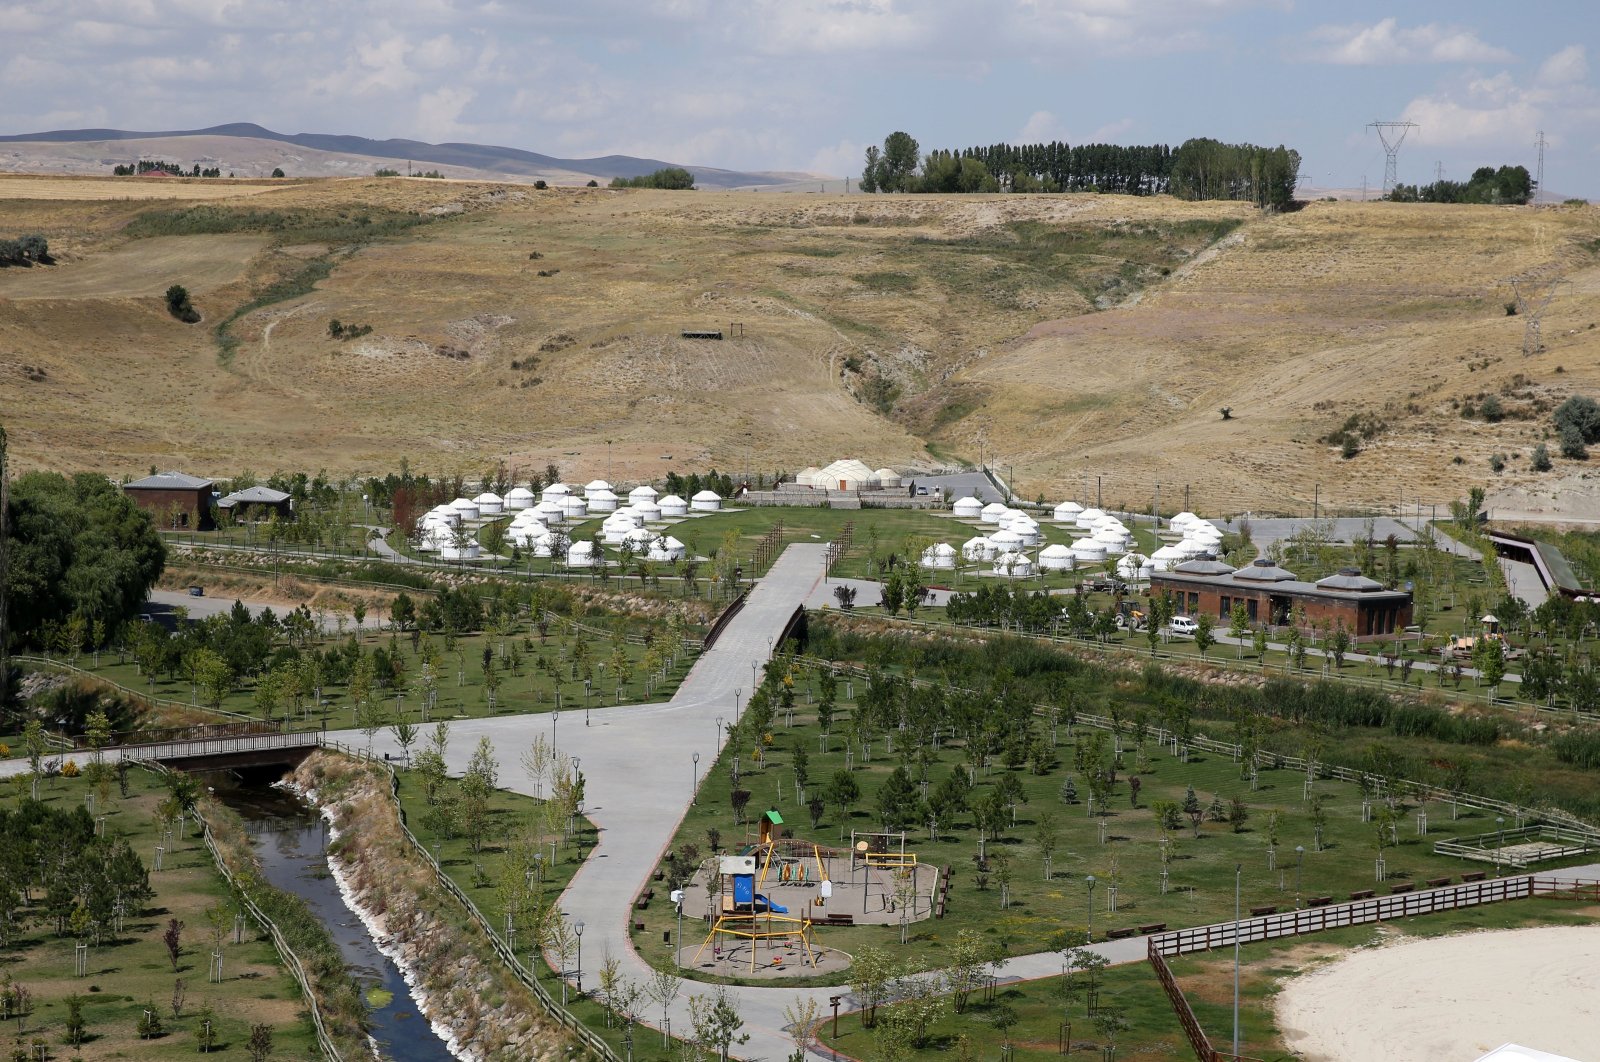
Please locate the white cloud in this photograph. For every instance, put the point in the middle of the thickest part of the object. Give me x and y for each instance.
(1388, 42)
(1041, 127)
(1569, 66)
(844, 159)
(1502, 112)
(439, 112)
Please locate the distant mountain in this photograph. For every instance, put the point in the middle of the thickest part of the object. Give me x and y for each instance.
(486, 158)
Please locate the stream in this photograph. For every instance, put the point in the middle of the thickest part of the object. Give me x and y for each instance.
(290, 840)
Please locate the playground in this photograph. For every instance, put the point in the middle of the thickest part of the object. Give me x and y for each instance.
(756, 911)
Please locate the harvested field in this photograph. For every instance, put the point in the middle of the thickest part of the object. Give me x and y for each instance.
(135, 188)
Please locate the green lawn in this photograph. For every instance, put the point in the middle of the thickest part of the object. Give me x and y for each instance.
(1043, 1019)
(129, 972)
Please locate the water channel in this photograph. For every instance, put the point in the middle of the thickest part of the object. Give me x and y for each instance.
(290, 840)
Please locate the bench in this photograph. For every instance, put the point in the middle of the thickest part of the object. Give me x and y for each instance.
(1153, 927)
(1436, 883)
(660, 875)
(1362, 894)
(1319, 901)
(1402, 887)
(841, 920)
(1119, 934)
(1257, 912)
(642, 902)
(1476, 875)
(638, 927)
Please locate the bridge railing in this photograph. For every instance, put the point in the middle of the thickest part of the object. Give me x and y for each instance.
(218, 746)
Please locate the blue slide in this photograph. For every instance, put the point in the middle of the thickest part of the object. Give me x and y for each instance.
(764, 904)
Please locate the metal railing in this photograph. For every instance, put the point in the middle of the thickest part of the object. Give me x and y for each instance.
(148, 698)
(221, 746)
(1563, 843)
(588, 1037)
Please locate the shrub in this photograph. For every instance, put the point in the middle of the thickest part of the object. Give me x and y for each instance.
(1497, 463)
(1572, 446)
(593, 184)
(1511, 309)
(1579, 412)
(540, 185)
(179, 306)
(1350, 448)
(1541, 458)
(277, 171)
(1491, 410)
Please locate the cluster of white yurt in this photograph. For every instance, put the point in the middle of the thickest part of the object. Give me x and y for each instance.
(967, 508)
(978, 549)
(614, 528)
(672, 505)
(599, 497)
(666, 549)
(555, 492)
(1022, 525)
(706, 501)
(520, 498)
(1066, 513)
(1056, 558)
(940, 556)
(1014, 565)
(1134, 567)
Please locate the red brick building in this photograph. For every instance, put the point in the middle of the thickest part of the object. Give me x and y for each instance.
(174, 500)
(1275, 597)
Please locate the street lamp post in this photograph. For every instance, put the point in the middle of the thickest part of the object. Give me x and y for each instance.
(694, 779)
(1500, 842)
(1238, 878)
(1089, 933)
(736, 695)
(1299, 861)
(753, 682)
(577, 927)
(554, 716)
(717, 745)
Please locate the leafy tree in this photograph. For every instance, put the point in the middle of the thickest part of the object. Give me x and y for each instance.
(172, 937)
(899, 805)
(277, 171)
(1540, 461)
(1238, 627)
(843, 794)
(178, 304)
(716, 1022)
(260, 1043)
(1204, 638)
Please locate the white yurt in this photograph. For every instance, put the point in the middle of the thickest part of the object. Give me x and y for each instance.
(807, 476)
(520, 498)
(707, 501)
(573, 508)
(432, 537)
(550, 511)
(1014, 565)
(594, 485)
(643, 492)
(967, 508)
(580, 554)
(647, 510)
(1112, 543)
(463, 549)
(627, 514)
(1088, 551)
(1134, 567)
(601, 501)
(639, 538)
(1057, 558)
(614, 533)
(1109, 521)
(1027, 531)
(991, 513)
(543, 545)
(1067, 512)
(465, 508)
(887, 477)
(1165, 558)
(1112, 535)
(844, 475)
(672, 505)
(1005, 541)
(489, 503)
(555, 492)
(978, 549)
(1089, 517)
(666, 549)
(1182, 521)
(1193, 550)
(940, 555)
(445, 513)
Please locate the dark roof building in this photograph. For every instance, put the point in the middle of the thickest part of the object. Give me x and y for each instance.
(257, 503)
(1274, 596)
(174, 500)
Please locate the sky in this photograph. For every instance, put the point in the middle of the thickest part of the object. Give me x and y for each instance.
(808, 84)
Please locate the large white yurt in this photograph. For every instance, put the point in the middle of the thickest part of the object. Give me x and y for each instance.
(1089, 517)
(1165, 558)
(647, 510)
(1112, 543)
(940, 555)
(615, 532)
(991, 513)
(594, 485)
(1005, 541)
(1088, 551)
(1067, 512)
(707, 501)
(967, 508)
(555, 492)
(1056, 558)
(573, 508)
(601, 501)
(432, 537)
(543, 545)
(1014, 565)
(1027, 531)
(807, 476)
(580, 554)
(460, 549)
(666, 549)
(978, 549)
(445, 513)
(887, 477)
(849, 474)
(489, 503)
(1134, 567)
(672, 505)
(1182, 521)
(519, 498)
(465, 508)
(550, 511)
(643, 492)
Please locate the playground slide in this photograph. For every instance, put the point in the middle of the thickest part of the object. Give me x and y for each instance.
(763, 903)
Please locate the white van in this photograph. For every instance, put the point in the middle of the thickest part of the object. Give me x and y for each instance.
(1183, 627)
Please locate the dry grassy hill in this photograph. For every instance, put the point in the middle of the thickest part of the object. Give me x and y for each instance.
(1069, 335)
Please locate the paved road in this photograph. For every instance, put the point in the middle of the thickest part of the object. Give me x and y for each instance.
(1264, 532)
(162, 604)
(961, 485)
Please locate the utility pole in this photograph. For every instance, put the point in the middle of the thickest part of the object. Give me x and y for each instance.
(1438, 172)
(1538, 179)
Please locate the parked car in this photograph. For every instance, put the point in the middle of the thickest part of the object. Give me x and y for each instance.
(197, 591)
(1183, 626)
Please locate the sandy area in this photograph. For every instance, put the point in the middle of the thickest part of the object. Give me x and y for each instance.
(1451, 998)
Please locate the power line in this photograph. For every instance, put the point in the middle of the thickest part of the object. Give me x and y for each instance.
(1392, 135)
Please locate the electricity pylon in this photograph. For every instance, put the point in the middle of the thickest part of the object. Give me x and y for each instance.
(1392, 134)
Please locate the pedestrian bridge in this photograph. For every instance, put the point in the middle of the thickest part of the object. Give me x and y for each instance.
(225, 753)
